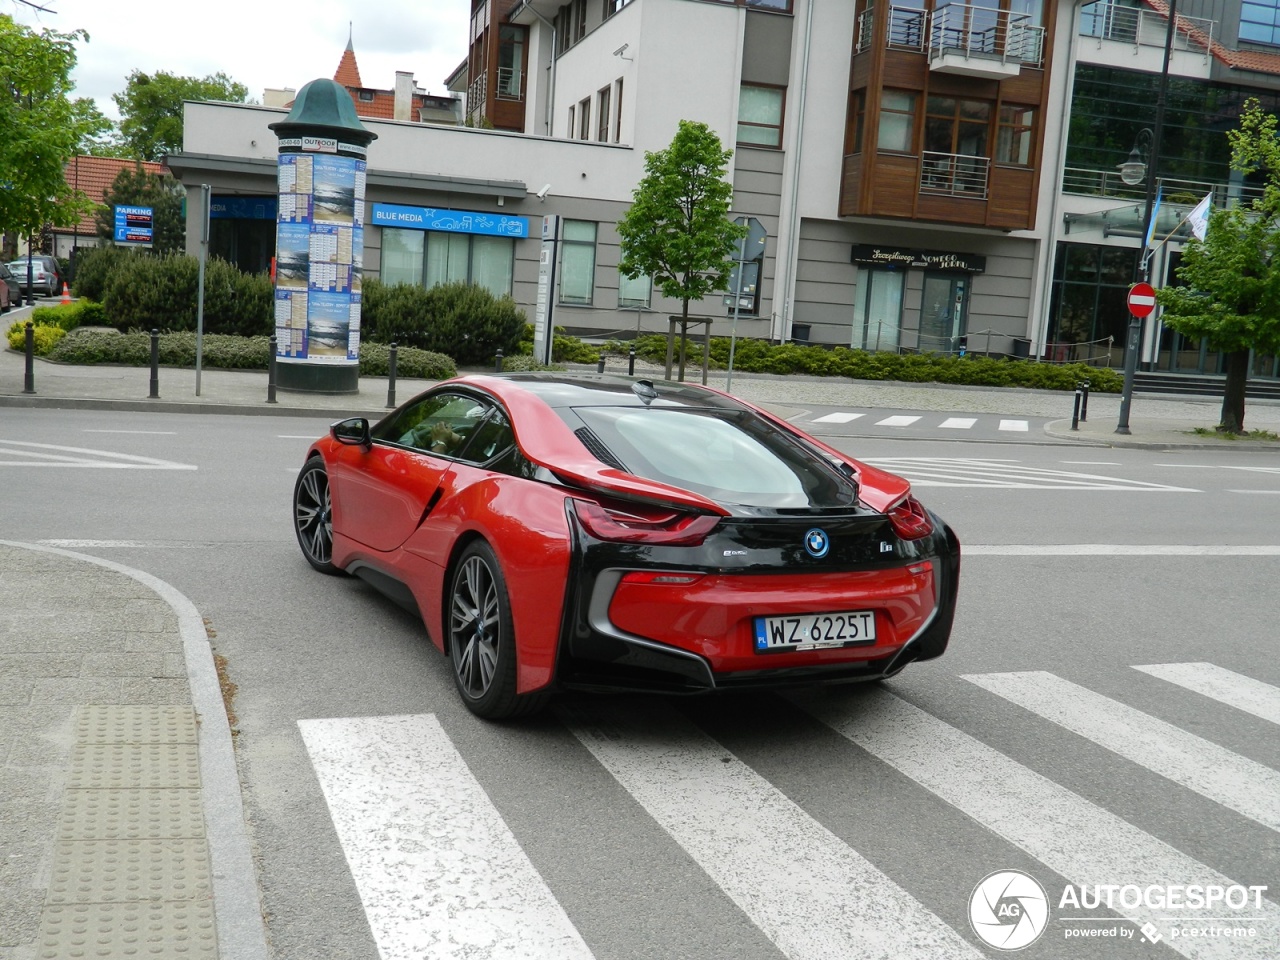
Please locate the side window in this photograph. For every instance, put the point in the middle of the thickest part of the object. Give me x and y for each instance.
(441, 423)
(490, 438)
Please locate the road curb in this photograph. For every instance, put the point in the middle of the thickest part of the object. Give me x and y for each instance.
(179, 406)
(1055, 429)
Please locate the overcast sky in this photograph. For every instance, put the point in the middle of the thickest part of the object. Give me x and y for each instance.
(260, 43)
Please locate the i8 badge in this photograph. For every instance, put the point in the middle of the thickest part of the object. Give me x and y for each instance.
(816, 542)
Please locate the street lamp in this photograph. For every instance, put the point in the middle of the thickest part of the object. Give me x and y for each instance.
(1134, 167)
(1133, 170)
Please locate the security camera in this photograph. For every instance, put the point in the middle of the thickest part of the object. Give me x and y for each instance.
(621, 50)
(542, 194)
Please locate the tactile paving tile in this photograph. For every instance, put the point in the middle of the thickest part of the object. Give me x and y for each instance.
(136, 724)
(145, 765)
(130, 814)
(116, 931)
(106, 871)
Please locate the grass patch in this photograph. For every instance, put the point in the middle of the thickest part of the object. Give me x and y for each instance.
(1219, 434)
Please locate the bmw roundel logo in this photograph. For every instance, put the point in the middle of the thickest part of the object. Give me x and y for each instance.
(817, 542)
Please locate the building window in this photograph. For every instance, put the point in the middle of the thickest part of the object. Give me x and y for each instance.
(617, 119)
(571, 116)
(578, 262)
(584, 119)
(1013, 135)
(366, 95)
(857, 119)
(511, 63)
(877, 309)
(428, 258)
(602, 114)
(1257, 23)
(613, 6)
(956, 126)
(579, 19)
(897, 121)
(760, 115)
(634, 293)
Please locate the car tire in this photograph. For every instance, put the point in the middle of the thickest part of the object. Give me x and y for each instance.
(481, 638)
(313, 516)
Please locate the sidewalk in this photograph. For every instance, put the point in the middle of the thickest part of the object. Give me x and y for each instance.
(122, 824)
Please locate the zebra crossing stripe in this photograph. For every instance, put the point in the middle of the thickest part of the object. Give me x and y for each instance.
(1017, 425)
(837, 418)
(1236, 782)
(1075, 838)
(438, 871)
(809, 892)
(900, 421)
(957, 423)
(1244, 693)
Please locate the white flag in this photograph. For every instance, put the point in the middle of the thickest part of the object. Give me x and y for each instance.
(1199, 217)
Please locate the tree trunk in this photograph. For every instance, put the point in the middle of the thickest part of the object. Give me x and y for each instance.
(1232, 420)
(684, 335)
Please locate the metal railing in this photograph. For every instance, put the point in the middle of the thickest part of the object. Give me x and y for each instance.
(510, 84)
(908, 28)
(985, 33)
(865, 30)
(1107, 183)
(954, 175)
(1143, 27)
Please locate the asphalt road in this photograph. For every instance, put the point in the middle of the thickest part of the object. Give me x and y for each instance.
(646, 828)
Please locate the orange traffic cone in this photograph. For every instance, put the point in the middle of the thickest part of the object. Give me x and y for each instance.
(66, 294)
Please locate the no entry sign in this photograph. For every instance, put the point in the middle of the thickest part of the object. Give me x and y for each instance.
(1141, 299)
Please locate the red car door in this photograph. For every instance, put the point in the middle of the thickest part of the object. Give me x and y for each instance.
(381, 496)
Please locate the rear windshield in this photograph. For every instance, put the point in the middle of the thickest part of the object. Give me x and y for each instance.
(730, 457)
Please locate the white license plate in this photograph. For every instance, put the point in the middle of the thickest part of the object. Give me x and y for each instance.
(814, 631)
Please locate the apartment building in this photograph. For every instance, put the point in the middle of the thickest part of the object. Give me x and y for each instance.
(909, 161)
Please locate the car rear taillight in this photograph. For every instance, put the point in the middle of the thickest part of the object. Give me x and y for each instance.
(635, 523)
(661, 577)
(909, 519)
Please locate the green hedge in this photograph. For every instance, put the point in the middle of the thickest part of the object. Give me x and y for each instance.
(229, 352)
(758, 356)
(461, 320)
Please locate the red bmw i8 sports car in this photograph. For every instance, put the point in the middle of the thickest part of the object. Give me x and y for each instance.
(607, 533)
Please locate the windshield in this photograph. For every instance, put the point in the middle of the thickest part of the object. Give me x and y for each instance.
(730, 457)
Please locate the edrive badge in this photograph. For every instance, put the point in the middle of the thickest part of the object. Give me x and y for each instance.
(817, 543)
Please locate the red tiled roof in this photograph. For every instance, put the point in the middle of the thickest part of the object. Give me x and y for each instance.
(348, 74)
(1255, 61)
(93, 176)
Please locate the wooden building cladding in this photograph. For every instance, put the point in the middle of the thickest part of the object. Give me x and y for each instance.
(497, 67)
(946, 111)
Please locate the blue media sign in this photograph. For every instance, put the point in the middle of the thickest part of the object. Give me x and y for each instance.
(242, 208)
(132, 226)
(449, 221)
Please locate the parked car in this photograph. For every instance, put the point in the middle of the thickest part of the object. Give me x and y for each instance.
(46, 278)
(605, 533)
(9, 289)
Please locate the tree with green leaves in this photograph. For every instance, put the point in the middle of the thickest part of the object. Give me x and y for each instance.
(151, 108)
(678, 230)
(135, 186)
(1231, 296)
(42, 126)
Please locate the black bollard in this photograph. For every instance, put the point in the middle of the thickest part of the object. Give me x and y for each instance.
(1084, 402)
(271, 369)
(391, 376)
(600, 365)
(1075, 412)
(155, 366)
(631, 362)
(29, 380)
(497, 362)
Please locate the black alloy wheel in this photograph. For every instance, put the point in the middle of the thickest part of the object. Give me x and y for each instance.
(481, 640)
(313, 516)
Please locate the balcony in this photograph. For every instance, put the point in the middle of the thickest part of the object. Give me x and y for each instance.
(981, 42)
(1141, 27)
(953, 175)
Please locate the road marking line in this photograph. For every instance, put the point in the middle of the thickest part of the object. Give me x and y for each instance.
(297, 436)
(59, 459)
(156, 433)
(1236, 782)
(899, 421)
(1092, 463)
(1075, 838)
(813, 895)
(438, 870)
(1116, 550)
(837, 418)
(1018, 425)
(1253, 491)
(957, 423)
(996, 473)
(1234, 689)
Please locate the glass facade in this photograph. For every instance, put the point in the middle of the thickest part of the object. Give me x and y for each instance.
(429, 257)
(1088, 317)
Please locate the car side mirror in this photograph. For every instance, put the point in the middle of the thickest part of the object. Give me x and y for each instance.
(353, 432)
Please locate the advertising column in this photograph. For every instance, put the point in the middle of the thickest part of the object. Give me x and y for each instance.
(320, 241)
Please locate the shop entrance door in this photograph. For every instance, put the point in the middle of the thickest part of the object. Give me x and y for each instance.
(944, 309)
(877, 310)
